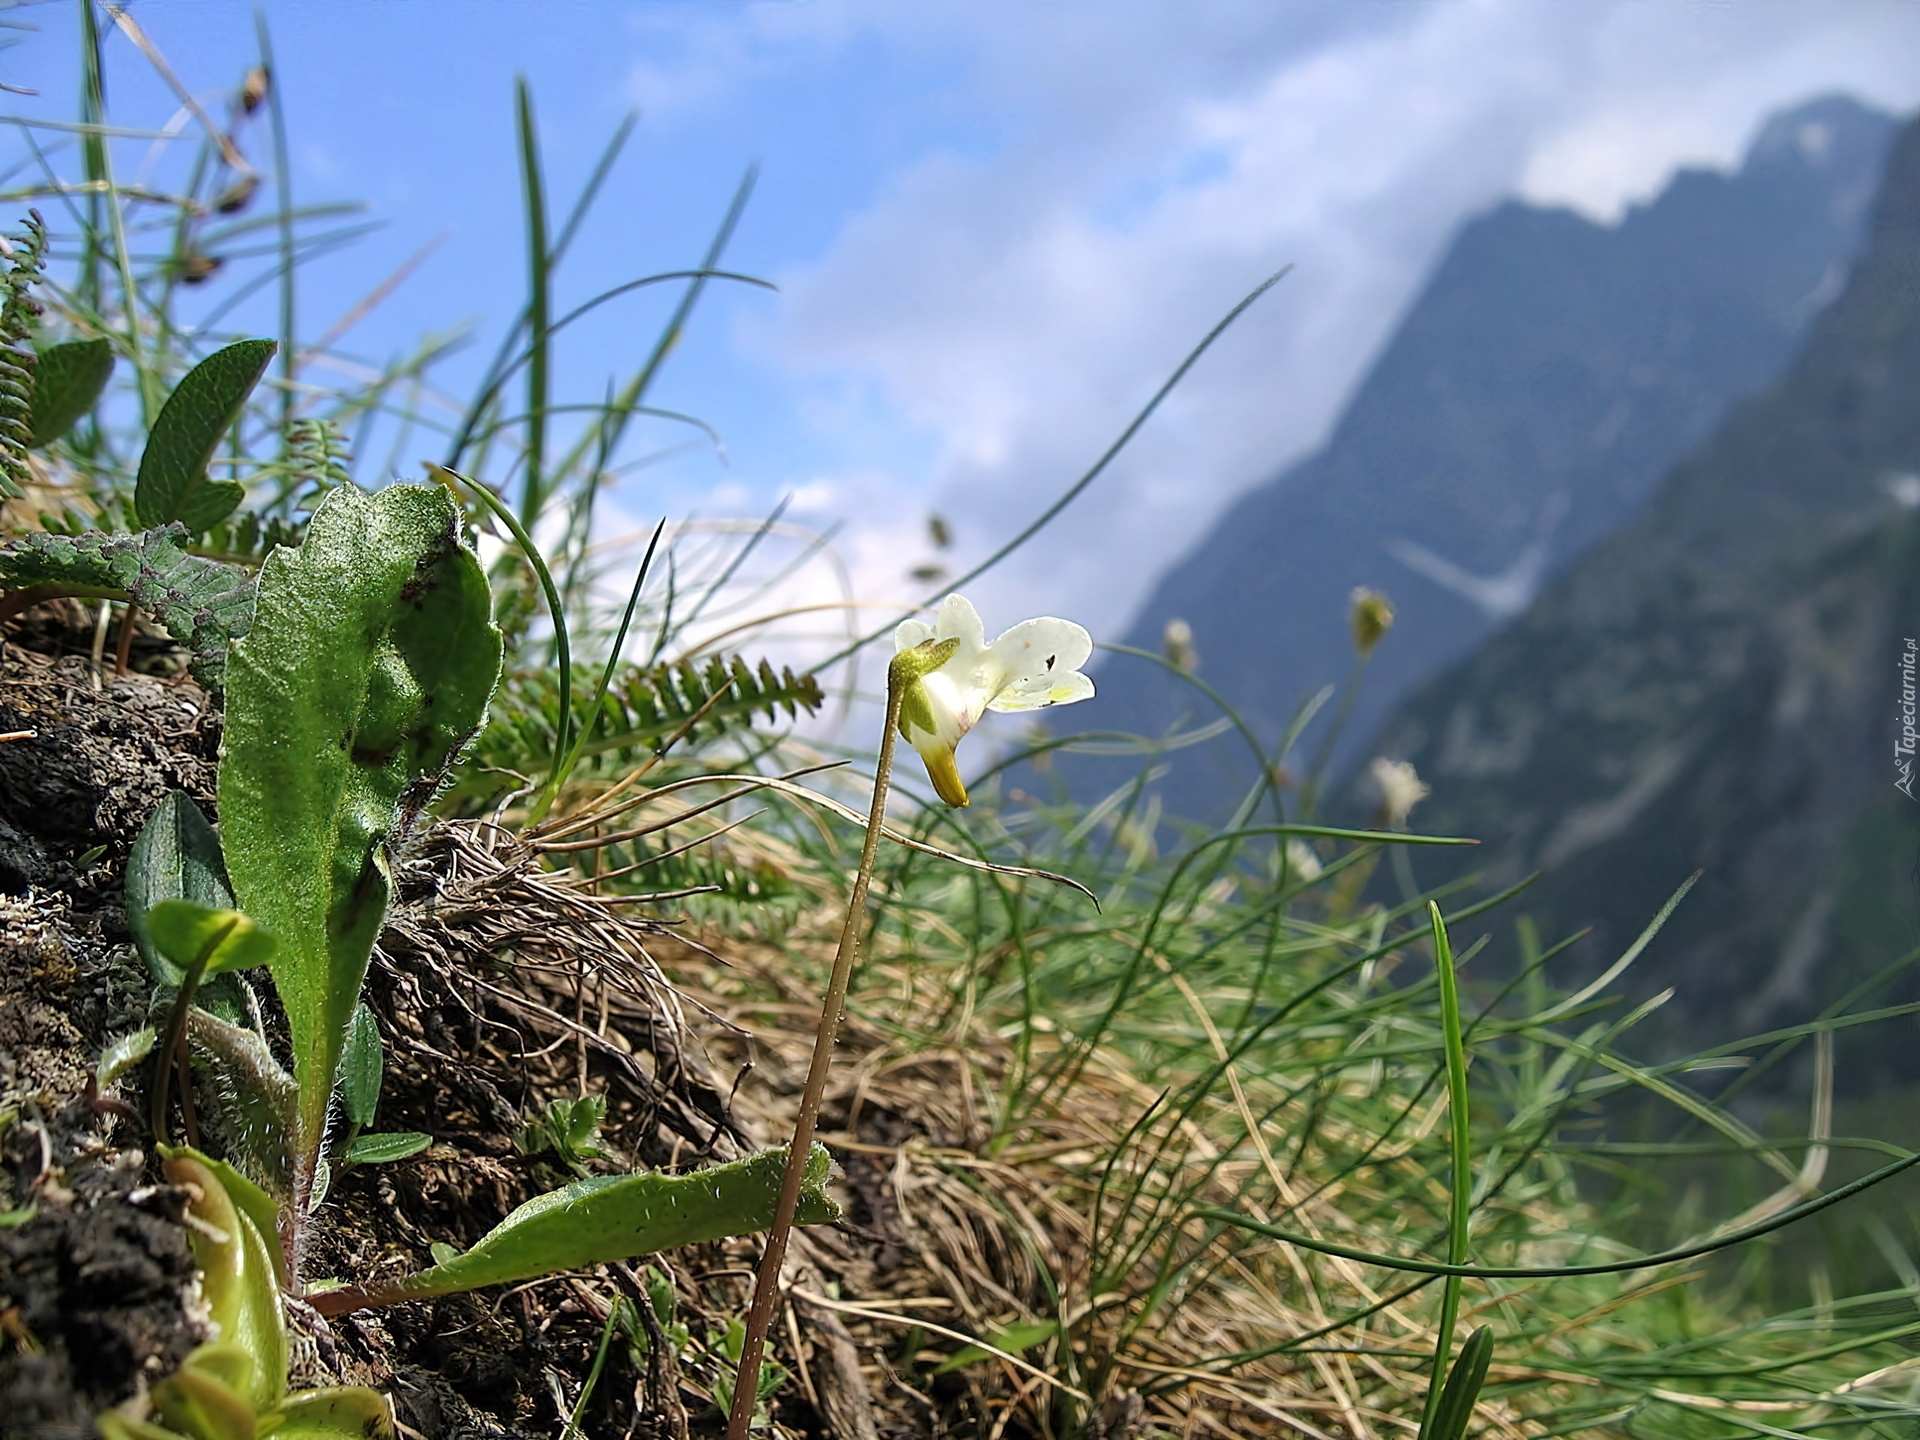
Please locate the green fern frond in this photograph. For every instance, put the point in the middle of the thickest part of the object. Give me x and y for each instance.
(250, 536)
(18, 362)
(317, 459)
(643, 708)
(316, 462)
(204, 604)
(714, 867)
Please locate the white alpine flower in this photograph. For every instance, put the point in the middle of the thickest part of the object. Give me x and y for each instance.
(1033, 665)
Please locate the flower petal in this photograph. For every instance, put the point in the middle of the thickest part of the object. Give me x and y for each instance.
(910, 633)
(1065, 690)
(959, 620)
(1038, 654)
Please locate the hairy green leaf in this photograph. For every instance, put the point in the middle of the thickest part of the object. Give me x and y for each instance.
(121, 1055)
(360, 1066)
(220, 940)
(596, 1221)
(369, 665)
(175, 857)
(252, 1106)
(173, 483)
(69, 380)
(204, 604)
(385, 1148)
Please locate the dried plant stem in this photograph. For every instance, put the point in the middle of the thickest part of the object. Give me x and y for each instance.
(766, 1285)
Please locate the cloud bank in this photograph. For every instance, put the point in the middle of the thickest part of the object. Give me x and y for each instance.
(1128, 171)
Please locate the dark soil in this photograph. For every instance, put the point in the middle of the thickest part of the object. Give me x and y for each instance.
(487, 1011)
(96, 1286)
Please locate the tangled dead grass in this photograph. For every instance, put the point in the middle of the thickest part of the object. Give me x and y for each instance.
(1049, 1256)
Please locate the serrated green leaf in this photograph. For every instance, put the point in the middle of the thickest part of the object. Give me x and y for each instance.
(18, 362)
(172, 483)
(360, 1066)
(204, 604)
(369, 665)
(175, 857)
(641, 707)
(608, 1218)
(222, 940)
(68, 381)
(385, 1148)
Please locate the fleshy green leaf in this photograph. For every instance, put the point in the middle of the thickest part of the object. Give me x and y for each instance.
(68, 382)
(206, 1398)
(173, 483)
(337, 1412)
(607, 1218)
(369, 665)
(237, 1275)
(385, 1148)
(360, 1067)
(205, 604)
(176, 857)
(184, 932)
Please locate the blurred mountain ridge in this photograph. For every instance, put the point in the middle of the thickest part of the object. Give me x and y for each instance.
(1718, 687)
(1549, 374)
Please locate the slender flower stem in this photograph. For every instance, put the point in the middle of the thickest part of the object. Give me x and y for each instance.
(766, 1286)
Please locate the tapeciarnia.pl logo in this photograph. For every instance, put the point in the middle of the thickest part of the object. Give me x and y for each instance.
(1903, 748)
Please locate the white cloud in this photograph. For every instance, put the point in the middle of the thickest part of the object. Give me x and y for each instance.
(1153, 163)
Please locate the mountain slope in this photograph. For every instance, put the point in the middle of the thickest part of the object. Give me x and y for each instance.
(1718, 687)
(1552, 370)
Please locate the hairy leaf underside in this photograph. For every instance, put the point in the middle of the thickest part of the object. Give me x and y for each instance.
(204, 604)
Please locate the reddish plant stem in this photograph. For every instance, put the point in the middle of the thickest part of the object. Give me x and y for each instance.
(766, 1286)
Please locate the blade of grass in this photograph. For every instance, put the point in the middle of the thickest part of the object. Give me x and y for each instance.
(476, 408)
(93, 149)
(1461, 1179)
(563, 649)
(565, 768)
(1547, 1272)
(539, 293)
(1072, 492)
(100, 156)
(283, 197)
(636, 389)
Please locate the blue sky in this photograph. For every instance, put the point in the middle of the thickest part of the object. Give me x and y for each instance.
(996, 225)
